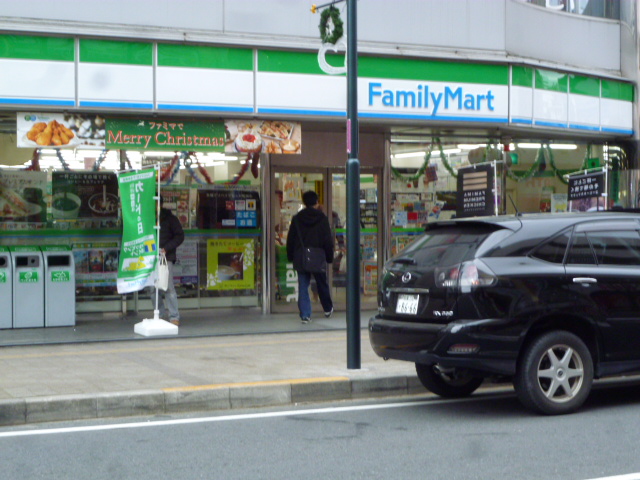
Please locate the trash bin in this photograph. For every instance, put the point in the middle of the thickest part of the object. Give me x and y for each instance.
(28, 287)
(59, 286)
(6, 289)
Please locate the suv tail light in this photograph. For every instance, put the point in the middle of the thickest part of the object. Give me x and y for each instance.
(475, 274)
(447, 277)
(465, 276)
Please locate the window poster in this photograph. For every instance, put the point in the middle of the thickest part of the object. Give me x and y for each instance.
(22, 196)
(84, 195)
(231, 264)
(475, 191)
(177, 200)
(185, 270)
(228, 208)
(590, 185)
(96, 264)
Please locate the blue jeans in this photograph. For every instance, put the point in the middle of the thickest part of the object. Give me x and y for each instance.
(304, 301)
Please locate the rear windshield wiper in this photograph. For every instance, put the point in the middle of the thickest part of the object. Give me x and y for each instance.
(405, 261)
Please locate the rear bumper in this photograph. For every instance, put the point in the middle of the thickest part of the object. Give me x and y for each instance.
(429, 343)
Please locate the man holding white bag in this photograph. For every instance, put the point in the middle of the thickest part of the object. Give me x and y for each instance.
(171, 237)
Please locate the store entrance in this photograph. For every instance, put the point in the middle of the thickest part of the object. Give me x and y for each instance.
(330, 184)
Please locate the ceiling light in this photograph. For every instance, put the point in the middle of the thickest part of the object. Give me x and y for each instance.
(408, 154)
(159, 154)
(554, 146)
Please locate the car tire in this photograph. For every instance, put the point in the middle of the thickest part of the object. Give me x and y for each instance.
(457, 383)
(555, 374)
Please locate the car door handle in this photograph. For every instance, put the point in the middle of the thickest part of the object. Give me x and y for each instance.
(584, 280)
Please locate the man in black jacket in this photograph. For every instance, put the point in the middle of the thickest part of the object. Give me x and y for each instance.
(171, 237)
(313, 226)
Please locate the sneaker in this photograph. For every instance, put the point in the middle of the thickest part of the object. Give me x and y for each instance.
(329, 313)
(306, 320)
(175, 321)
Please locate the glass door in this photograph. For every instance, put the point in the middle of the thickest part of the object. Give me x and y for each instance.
(330, 185)
(288, 187)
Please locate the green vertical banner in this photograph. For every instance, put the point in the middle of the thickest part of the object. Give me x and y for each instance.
(138, 252)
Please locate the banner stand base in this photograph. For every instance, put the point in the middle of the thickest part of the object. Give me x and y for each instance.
(155, 326)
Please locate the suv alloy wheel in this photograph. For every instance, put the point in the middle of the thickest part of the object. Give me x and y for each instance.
(555, 373)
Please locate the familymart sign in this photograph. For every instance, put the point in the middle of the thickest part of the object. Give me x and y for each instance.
(442, 100)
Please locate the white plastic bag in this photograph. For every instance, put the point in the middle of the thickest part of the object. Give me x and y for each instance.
(162, 280)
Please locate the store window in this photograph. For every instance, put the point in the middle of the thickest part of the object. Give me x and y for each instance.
(70, 196)
(528, 177)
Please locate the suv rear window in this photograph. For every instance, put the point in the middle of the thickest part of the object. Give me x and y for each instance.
(444, 246)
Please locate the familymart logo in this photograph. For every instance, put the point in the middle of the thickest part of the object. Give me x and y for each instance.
(433, 98)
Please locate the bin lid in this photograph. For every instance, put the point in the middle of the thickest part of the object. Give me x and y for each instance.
(55, 248)
(24, 248)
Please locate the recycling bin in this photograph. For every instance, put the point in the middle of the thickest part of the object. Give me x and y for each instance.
(6, 289)
(59, 286)
(28, 286)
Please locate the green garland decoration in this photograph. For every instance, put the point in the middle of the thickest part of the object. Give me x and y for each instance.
(544, 149)
(445, 162)
(420, 171)
(521, 176)
(425, 164)
(331, 35)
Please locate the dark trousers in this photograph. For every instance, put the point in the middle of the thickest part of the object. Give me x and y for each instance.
(304, 302)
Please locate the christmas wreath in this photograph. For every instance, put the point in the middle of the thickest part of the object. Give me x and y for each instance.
(331, 25)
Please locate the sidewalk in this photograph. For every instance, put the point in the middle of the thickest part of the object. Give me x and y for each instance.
(220, 360)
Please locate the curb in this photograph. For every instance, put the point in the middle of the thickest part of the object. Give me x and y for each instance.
(202, 398)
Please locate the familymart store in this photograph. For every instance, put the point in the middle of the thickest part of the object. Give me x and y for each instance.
(279, 125)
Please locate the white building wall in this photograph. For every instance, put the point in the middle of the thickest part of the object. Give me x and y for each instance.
(491, 30)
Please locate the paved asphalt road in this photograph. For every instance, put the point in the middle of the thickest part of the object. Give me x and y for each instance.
(488, 436)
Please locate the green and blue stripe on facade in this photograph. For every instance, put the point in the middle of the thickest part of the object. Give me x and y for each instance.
(389, 88)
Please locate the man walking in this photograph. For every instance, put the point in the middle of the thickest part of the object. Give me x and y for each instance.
(310, 227)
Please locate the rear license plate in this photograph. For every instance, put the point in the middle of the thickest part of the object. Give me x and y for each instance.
(407, 304)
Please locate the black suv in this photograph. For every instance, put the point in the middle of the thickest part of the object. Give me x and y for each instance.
(549, 301)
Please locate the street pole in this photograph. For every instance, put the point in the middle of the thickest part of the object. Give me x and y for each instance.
(353, 193)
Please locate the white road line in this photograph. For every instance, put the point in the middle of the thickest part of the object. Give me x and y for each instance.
(226, 418)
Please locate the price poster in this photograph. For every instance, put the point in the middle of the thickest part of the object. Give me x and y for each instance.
(228, 208)
(22, 196)
(231, 264)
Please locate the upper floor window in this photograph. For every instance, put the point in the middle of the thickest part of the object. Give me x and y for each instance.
(593, 8)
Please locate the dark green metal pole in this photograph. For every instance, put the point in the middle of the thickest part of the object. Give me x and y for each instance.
(353, 193)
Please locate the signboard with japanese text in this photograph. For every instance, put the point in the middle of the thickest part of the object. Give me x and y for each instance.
(228, 208)
(475, 191)
(144, 134)
(138, 252)
(84, 195)
(66, 130)
(589, 185)
(22, 196)
(231, 264)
